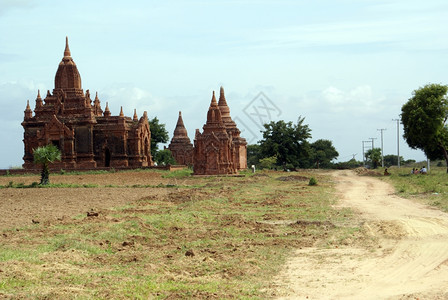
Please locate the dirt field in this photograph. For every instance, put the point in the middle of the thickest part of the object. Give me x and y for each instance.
(19, 207)
(406, 256)
(410, 262)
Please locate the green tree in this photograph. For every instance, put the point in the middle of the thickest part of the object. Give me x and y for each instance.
(268, 162)
(253, 154)
(158, 134)
(322, 153)
(424, 119)
(164, 157)
(287, 141)
(374, 157)
(391, 160)
(46, 155)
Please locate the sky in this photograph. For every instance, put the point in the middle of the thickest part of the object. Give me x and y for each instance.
(346, 66)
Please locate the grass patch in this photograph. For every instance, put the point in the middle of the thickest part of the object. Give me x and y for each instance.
(430, 189)
(225, 238)
(183, 173)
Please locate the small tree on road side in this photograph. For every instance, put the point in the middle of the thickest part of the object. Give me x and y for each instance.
(46, 155)
(374, 157)
(424, 119)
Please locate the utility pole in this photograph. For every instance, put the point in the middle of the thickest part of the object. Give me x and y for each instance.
(398, 140)
(363, 154)
(382, 157)
(372, 142)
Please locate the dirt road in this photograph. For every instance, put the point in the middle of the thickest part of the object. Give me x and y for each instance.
(409, 262)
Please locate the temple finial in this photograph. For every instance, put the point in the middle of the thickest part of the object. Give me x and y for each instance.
(28, 111)
(38, 94)
(135, 115)
(222, 98)
(96, 96)
(214, 103)
(121, 112)
(67, 49)
(106, 112)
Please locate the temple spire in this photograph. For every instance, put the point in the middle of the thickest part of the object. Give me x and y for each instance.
(214, 103)
(180, 131)
(121, 112)
(67, 49)
(222, 97)
(39, 102)
(28, 111)
(106, 110)
(135, 118)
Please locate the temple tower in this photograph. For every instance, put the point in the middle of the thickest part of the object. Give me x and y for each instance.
(213, 153)
(180, 146)
(239, 144)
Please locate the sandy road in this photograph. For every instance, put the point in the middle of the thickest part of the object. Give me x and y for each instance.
(411, 261)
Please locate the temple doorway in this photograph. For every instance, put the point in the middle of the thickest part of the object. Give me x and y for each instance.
(107, 158)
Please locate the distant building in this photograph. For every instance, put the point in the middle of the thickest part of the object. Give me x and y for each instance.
(86, 136)
(219, 149)
(180, 146)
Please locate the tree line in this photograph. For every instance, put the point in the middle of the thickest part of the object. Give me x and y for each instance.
(286, 146)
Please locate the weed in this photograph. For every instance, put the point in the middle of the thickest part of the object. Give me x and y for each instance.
(312, 181)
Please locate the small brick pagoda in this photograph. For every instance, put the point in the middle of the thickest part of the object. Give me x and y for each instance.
(180, 146)
(219, 149)
(87, 136)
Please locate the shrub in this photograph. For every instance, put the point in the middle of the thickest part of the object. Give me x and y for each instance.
(312, 181)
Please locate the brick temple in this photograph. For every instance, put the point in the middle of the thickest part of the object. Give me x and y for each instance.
(87, 136)
(219, 149)
(180, 146)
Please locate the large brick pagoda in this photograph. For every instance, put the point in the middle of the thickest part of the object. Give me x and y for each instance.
(86, 136)
(219, 149)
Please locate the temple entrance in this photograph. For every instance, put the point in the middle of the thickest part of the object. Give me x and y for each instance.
(107, 157)
(56, 143)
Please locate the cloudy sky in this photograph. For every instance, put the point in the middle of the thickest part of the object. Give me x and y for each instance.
(346, 66)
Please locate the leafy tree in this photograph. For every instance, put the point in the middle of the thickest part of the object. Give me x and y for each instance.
(46, 155)
(287, 141)
(164, 157)
(158, 134)
(413, 161)
(374, 156)
(322, 153)
(253, 154)
(351, 164)
(391, 160)
(268, 162)
(424, 119)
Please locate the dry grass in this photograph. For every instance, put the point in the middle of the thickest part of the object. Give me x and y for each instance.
(218, 237)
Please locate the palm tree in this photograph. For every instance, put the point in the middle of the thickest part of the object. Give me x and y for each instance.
(46, 155)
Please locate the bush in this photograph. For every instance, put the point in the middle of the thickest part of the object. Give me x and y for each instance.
(313, 181)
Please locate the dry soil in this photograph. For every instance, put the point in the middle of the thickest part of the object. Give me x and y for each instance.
(410, 260)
